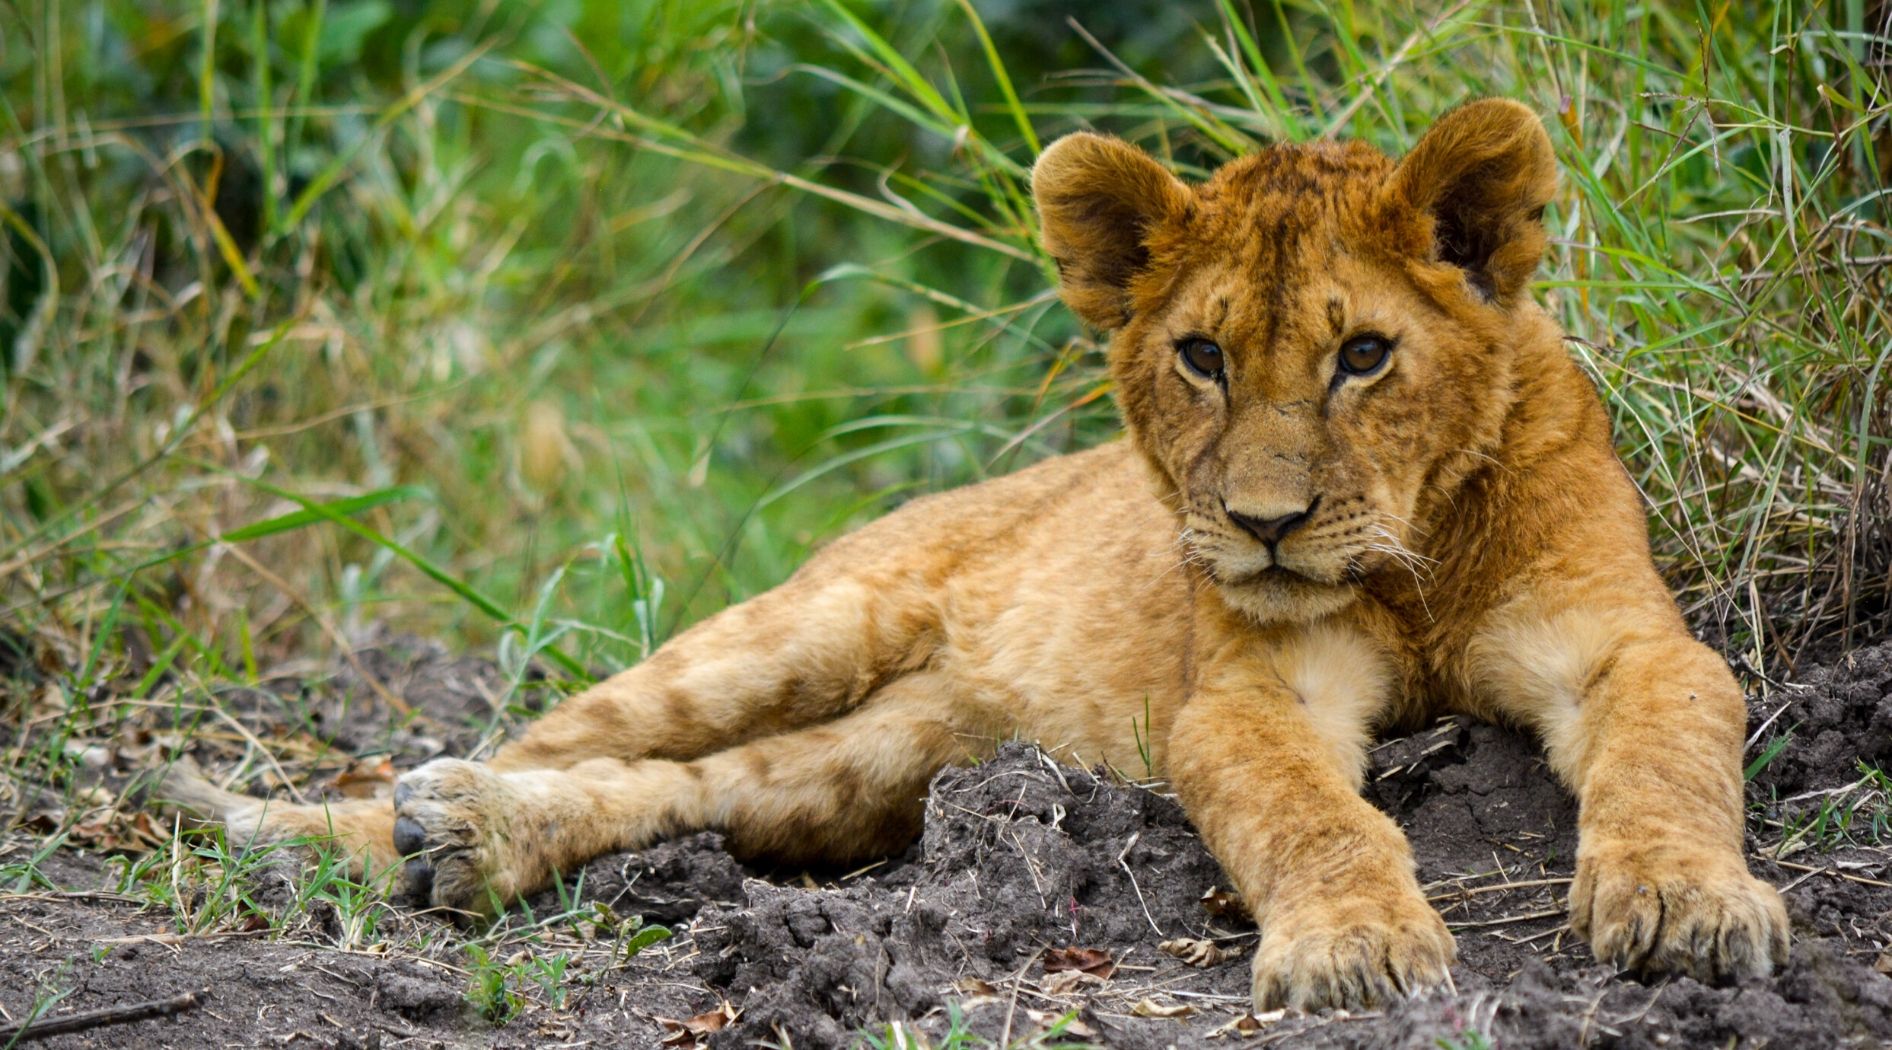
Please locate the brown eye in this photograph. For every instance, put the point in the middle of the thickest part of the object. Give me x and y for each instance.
(1364, 354)
(1203, 357)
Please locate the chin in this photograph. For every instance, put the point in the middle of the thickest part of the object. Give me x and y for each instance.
(1286, 599)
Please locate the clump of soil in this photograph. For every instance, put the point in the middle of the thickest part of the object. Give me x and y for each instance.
(1022, 860)
(1838, 718)
(1039, 896)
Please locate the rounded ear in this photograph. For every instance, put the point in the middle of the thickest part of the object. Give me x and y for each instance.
(1483, 174)
(1099, 199)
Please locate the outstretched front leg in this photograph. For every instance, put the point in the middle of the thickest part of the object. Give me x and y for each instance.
(361, 830)
(1646, 726)
(1267, 756)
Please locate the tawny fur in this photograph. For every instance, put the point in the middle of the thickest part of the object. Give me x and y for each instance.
(1476, 547)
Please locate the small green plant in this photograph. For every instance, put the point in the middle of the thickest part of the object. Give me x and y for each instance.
(600, 922)
(358, 909)
(1768, 754)
(1859, 813)
(487, 989)
(203, 881)
(548, 972)
(1466, 1039)
(48, 995)
(24, 875)
(1879, 821)
(633, 936)
(1141, 730)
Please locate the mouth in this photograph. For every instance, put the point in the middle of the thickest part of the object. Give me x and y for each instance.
(1278, 594)
(1240, 567)
(1277, 574)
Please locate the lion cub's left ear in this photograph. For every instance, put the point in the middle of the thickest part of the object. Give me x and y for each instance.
(1483, 173)
(1099, 199)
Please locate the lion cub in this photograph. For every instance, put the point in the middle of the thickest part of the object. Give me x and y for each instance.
(1363, 485)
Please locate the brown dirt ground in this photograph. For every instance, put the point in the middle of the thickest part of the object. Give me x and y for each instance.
(1021, 859)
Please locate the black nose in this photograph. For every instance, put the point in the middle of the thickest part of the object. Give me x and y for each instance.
(1272, 530)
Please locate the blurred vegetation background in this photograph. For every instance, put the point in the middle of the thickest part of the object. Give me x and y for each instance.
(554, 326)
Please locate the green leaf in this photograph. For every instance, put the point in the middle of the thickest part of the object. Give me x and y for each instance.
(644, 938)
(297, 519)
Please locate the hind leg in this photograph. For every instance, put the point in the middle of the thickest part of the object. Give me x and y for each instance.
(803, 653)
(852, 788)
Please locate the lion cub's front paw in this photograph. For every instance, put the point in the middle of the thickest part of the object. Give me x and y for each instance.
(1662, 909)
(454, 822)
(1352, 954)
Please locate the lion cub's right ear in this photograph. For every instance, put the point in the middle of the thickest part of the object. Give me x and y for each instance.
(1099, 199)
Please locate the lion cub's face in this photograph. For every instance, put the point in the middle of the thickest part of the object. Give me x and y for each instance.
(1310, 347)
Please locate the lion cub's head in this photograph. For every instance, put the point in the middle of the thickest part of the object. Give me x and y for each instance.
(1313, 348)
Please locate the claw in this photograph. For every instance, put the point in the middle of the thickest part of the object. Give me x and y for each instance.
(417, 879)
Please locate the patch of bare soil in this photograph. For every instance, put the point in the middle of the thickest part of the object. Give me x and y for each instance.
(1037, 891)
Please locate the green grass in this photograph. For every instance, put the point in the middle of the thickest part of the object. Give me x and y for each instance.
(899, 1035)
(1855, 814)
(547, 329)
(568, 325)
(1468, 1039)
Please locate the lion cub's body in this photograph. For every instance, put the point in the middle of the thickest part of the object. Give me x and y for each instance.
(1363, 484)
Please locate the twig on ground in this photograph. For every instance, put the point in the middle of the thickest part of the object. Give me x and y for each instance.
(1147, 917)
(1497, 887)
(88, 1019)
(1507, 920)
(1018, 979)
(1829, 870)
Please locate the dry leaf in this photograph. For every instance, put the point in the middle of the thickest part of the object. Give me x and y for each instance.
(1250, 1024)
(114, 830)
(367, 778)
(1224, 904)
(1202, 954)
(974, 986)
(1090, 960)
(1567, 116)
(1067, 982)
(690, 1031)
(1883, 963)
(1066, 1023)
(1151, 1008)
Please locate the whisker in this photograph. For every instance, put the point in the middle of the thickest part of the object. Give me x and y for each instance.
(1418, 565)
(1410, 527)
